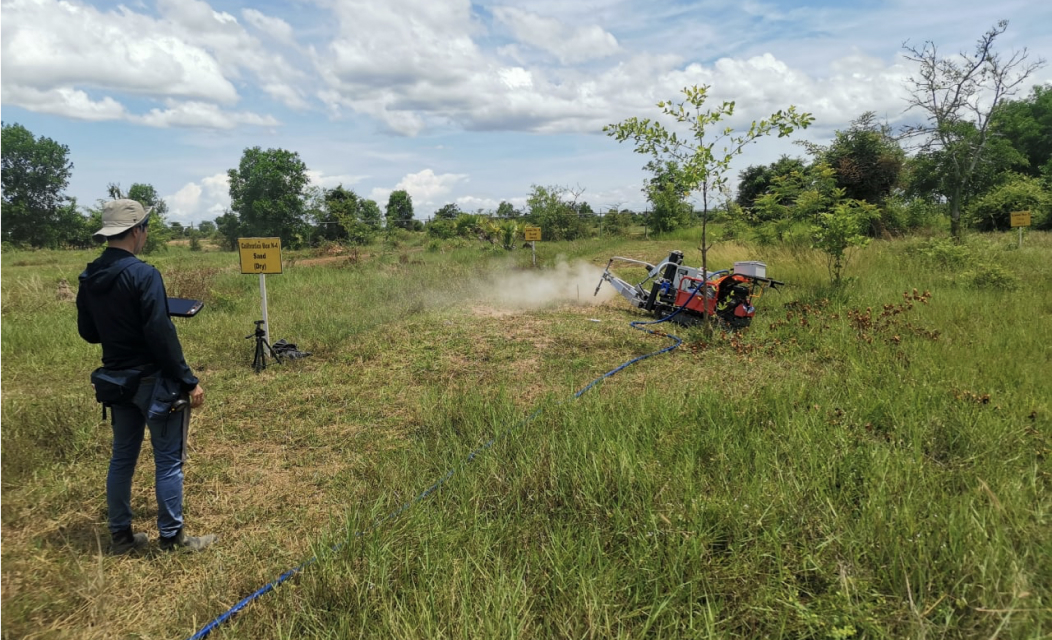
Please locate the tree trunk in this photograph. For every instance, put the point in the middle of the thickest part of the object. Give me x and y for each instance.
(955, 214)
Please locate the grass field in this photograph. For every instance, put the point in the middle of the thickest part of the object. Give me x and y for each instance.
(864, 462)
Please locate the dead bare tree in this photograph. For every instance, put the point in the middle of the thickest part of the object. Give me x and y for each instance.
(958, 96)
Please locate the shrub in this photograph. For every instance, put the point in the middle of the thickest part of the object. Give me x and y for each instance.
(942, 252)
(992, 210)
(441, 228)
(991, 276)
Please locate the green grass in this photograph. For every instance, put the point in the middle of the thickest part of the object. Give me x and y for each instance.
(861, 463)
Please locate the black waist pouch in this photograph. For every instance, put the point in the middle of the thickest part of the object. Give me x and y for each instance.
(165, 392)
(115, 386)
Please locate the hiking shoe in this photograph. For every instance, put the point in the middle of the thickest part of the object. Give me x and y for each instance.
(181, 541)
(124, 541)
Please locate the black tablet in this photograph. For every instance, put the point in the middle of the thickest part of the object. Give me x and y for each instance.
(184, 307)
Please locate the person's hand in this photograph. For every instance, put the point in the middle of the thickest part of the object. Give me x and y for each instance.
(197, 397)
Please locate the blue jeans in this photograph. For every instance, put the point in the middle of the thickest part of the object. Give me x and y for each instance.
(166, 436)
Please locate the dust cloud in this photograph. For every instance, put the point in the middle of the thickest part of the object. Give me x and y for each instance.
(567, 283)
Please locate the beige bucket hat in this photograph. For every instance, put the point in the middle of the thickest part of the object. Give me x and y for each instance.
(119, 216)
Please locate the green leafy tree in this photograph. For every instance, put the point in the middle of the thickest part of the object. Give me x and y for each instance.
(930, 174)
(666, 192)
(229, 229)
(1027, 125)
(506, 210)
(811, 195)
(867, 160)
(320, 225)
(207, 227)
(349, 210)
(267, 192)
(371, 214)
(755, 180)
(399, 212)
(958, 97)
(35, 172)
(448, 212)
(555, 215)
(146, 195)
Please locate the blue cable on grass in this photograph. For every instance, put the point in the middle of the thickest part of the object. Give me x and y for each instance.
(270, 586)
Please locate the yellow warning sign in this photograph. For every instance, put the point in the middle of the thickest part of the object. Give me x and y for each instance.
(260, 255)
(532, 233)
(1020, 218)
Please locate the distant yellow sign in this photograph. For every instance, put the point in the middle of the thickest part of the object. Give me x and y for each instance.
(260, 255)
(532, 233)
(1020, 218)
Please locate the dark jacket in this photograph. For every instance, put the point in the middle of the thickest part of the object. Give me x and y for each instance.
(123, 305)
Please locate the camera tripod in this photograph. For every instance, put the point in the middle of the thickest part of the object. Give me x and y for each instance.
(259, 362)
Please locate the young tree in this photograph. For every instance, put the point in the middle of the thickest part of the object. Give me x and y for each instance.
(840, 229)
(267, 193)
(958, 96)
(35, 171)
(399, 210)
(703, 157)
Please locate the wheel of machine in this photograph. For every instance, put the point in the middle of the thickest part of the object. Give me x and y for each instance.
(731, 297)
(733, 322)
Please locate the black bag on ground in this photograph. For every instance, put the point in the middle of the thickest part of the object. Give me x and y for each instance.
(286, 349)
(115, 386)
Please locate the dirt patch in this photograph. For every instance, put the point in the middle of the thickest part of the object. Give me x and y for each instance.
(483, 311)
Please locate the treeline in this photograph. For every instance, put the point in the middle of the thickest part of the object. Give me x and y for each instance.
(865, 168)
(868, 164)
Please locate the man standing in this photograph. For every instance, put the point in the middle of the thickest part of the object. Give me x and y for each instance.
(122, 304)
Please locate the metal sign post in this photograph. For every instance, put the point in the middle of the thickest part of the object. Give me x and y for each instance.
(262, 256)
(533, 234)
(1020, 219)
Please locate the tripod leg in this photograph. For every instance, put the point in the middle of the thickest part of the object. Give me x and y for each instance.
(273, 354)
(259, 363)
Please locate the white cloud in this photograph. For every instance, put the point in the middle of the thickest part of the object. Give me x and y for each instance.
(55, 53)
(427, 188)
(195, 202)
(414, 68)
(318, 179)
(471, 204)
(71, 103)
(273, 27)
(57, 45)
(202, 115)
(569, 45)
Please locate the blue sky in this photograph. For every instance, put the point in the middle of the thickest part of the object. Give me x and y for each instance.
(451, 100)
